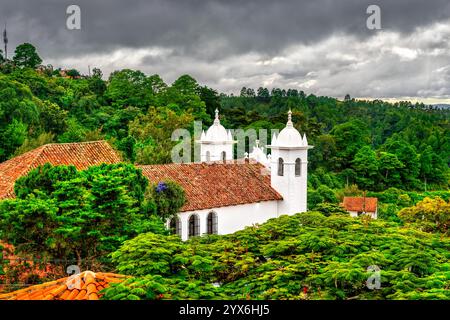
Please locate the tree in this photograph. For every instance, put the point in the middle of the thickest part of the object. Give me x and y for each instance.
(26, 56)
(303, 256)
(168, 197)
(365, 165)
(33, 143)
(350, 137)
(18, 113)
(63, 213)
(52, 118)
(407, 155)
(12, 137)
(97, 73)
(324, 151)
(129, 88)
(184, 96)
(211, 99)
(154, 130)
(328, 209)
(186, 85)
(73, 73)
(432, 168)
(430, 215)
(263, 94)
(388, 167)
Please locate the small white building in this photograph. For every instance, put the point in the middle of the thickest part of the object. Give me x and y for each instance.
(358, 206)
(226, 195)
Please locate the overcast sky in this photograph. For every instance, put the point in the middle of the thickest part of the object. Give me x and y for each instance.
(319, 46)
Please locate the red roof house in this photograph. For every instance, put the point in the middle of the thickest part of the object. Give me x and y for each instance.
(360, 205)
(81, 154)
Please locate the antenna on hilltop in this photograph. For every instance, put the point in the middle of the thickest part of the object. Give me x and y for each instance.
(5, 41)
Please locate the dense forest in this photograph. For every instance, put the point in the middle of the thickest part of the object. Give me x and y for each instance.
(397, 152)
(373, 144)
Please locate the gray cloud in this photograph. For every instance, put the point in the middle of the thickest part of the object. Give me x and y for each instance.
(231, 43)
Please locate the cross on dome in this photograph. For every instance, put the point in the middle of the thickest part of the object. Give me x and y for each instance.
(289, 136)
(216, 120)
(289, 123)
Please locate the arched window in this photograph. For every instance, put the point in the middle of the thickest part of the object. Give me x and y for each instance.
(175, 226)
(208, 156)
(298, 167)
(194, 225)
(280, 167)
(223, 156)
(211, 223)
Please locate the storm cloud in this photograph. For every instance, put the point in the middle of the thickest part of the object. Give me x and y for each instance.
(320, 46)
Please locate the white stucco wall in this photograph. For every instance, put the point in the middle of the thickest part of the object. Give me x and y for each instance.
(293, 188)
(215, 150)
(374, 215)
(232, 218)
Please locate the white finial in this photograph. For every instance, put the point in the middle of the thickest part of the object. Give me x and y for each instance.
(203, 136)
(274, 139)
(216, 120)
(289, 123)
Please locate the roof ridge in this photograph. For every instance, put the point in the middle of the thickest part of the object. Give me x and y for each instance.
(203, 163)
(66, 143)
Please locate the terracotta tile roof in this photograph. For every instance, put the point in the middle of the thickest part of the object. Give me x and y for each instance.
(357, 204)
(215, 184)
(81, 155)
(84, 286)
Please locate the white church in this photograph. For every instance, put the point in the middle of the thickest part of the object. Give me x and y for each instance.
(225, 195)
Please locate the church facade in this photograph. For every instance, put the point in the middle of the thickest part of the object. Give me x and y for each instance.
(283, 174)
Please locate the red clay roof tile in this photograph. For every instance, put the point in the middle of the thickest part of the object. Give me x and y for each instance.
(64, 289)
(360, 204)
(213, 185)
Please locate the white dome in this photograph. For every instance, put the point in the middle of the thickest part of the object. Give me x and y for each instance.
(289, 136)
(216, 132)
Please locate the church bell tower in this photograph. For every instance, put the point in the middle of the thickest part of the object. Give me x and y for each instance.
(289, 168)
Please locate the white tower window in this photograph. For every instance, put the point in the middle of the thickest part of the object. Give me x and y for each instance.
(298, 167)
(280, 167)
(194, 225)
